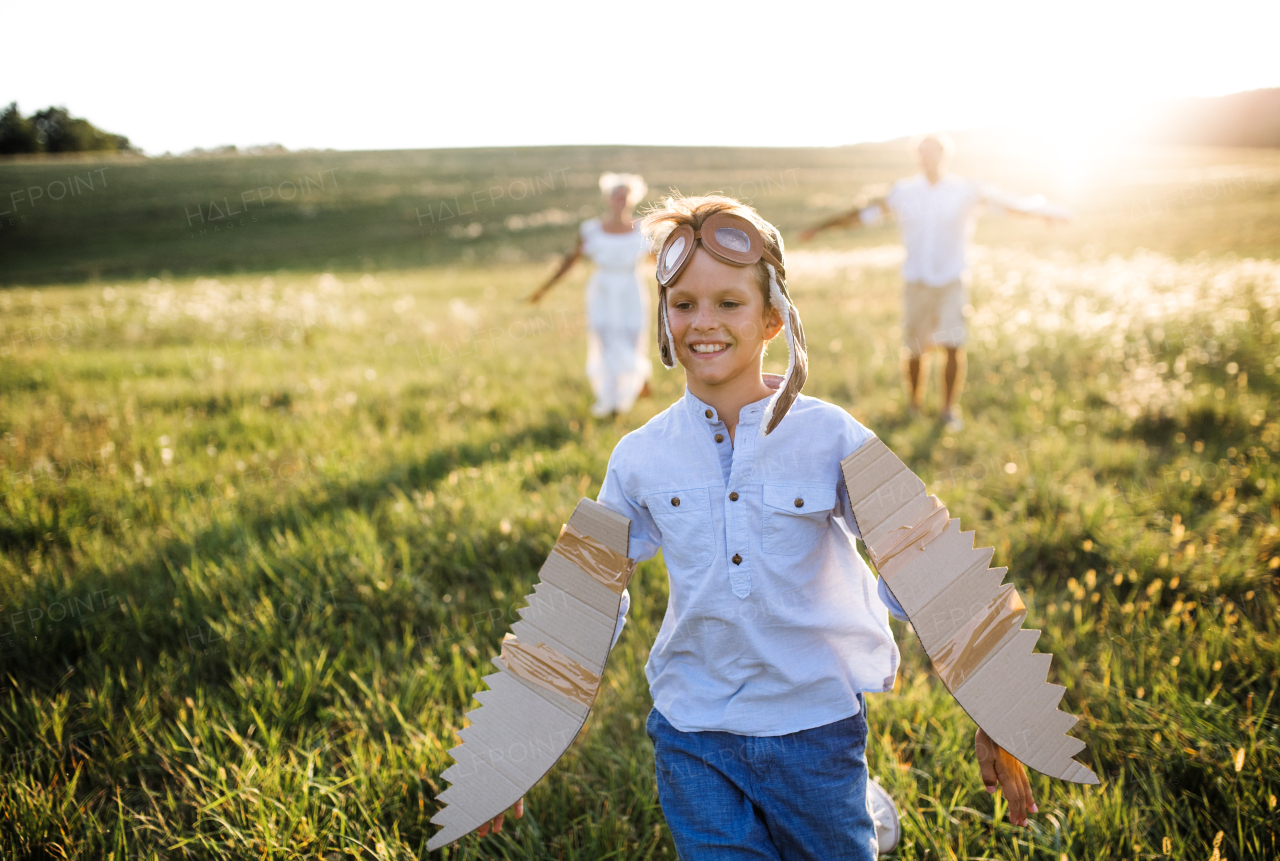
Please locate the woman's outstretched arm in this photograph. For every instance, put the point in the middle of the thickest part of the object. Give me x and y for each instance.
(565, 265)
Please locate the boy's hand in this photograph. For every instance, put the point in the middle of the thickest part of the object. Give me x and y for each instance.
(497, 820)
(1000, 769)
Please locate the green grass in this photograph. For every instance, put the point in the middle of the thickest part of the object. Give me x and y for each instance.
(261, 534)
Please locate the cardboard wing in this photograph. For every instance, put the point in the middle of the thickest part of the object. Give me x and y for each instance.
(970, 624)
(548, 674)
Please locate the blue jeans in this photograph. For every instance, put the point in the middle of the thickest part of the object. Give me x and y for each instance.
(781, 798)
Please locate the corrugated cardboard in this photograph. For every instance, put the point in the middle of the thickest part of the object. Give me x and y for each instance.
(969, 623)
(523, 726)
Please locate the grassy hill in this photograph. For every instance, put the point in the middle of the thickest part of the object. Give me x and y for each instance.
(265, 517)
(110, 218)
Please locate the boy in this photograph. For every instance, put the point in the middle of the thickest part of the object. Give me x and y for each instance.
(771, 633)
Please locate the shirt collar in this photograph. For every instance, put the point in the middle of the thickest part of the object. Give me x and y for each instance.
(699, 409)
(749, 415)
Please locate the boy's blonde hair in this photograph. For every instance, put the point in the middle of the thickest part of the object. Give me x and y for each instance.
(676, 210)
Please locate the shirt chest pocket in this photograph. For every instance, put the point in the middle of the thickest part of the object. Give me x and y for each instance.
(684, 517)
(795, 517)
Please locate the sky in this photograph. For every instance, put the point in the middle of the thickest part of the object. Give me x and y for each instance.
(387, 75)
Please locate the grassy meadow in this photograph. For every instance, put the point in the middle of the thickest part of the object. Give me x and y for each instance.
(270, 498)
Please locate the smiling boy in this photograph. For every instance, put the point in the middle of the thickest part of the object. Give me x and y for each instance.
(774, 628)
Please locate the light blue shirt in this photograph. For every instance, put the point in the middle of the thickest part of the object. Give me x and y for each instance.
(774, 623)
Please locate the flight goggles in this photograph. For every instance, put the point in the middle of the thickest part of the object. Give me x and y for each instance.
(727, 237)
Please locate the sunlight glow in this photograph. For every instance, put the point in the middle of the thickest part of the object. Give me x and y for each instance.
(383, 75)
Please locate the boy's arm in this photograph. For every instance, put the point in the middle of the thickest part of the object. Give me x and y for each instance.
(1001, 770)
(548, 673)
(895, 609)
(987, 661)
(622, 616)
(645, 536)
(882, 588)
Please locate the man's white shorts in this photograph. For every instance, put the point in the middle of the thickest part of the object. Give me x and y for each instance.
(933, 316)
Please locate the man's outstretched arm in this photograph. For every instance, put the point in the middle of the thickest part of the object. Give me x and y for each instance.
(869, 215)
(1027, 206)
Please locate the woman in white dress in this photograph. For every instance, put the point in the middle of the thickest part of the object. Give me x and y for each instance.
(618, 364)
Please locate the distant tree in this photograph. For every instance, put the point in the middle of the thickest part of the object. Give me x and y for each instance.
(17, 134)
(58, 131)
(54, 130)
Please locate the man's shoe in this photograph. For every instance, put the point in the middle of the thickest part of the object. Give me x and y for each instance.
(951, 418)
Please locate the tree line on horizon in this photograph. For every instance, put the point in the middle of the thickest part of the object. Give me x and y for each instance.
(54, 130)
(1247, 119)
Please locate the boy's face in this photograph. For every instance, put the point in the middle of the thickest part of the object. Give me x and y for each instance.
(719, 322)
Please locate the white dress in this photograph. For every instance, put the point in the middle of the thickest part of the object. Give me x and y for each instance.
(618, 363)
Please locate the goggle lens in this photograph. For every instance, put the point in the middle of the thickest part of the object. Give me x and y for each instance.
(674, 250)
(733, 239)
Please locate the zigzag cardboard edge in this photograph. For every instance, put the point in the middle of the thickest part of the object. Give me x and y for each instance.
(522, 729)
(969, 623)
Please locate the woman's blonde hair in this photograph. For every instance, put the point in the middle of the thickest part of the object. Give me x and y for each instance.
(634, 183)
(677, 210)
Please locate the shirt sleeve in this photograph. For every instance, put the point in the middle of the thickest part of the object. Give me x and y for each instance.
(645, 535)
(646, 538)
(891, 197)
(882, 589)
(856, 435)
(1033, 204)
(622, 616)
(845, 509)
(871, 216)
(994, 197)
(846, 512)
(853, 436)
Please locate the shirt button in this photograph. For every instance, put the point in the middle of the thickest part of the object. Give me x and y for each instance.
(733, 497)
(719, 437)
(708, 413)
(799, 503)
(737, 560)
(675, 500)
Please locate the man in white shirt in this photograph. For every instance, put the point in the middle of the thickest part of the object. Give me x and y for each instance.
(935, 212)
